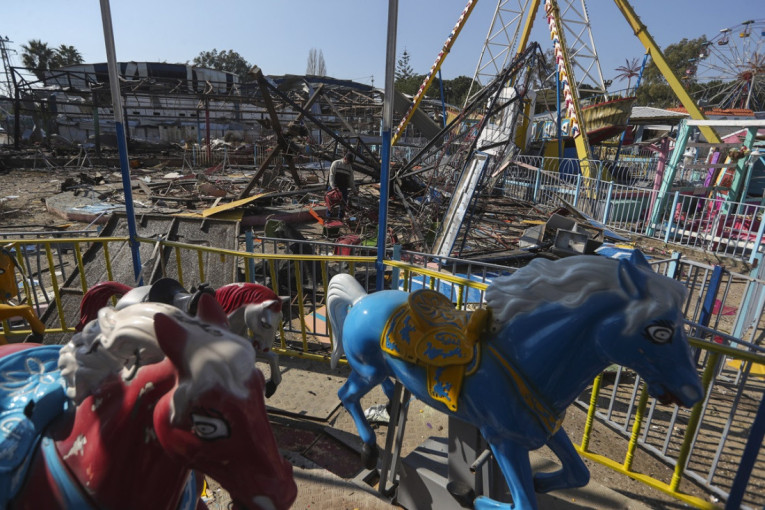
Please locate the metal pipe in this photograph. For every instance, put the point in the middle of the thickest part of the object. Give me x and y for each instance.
(480, 460)
(390, 65)
(114, 85)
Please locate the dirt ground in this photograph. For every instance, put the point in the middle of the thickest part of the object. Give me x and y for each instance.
(22, 198)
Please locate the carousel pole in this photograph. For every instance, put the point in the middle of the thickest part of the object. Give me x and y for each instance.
(390, 67)
(119, 125)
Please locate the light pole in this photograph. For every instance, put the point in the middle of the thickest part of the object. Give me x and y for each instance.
(119, 125)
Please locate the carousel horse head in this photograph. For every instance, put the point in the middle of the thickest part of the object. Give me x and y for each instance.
(254, 307)
(168, 394)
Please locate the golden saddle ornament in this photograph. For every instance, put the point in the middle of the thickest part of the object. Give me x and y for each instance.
(427, 330)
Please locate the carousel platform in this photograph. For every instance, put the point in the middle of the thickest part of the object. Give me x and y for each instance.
(319, 438)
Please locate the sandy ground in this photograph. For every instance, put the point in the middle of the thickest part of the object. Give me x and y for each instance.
(22, 198)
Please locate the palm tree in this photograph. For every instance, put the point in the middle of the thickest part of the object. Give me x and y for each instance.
(630, 70)
(37, 56)
(66, 55)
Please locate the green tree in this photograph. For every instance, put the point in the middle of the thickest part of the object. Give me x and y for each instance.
(37, 56)
(65, 56)
(630, 69)
(411, 84)
(456, 90)
(403, 71)
(654, 89)
(226, 60)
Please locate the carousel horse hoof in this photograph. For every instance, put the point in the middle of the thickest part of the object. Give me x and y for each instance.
(484, 503)
(462, 493)
(369, 455)
(270, 388)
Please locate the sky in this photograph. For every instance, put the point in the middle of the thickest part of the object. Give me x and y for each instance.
(277, 35)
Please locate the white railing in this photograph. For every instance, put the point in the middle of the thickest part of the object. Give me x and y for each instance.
(698, 217)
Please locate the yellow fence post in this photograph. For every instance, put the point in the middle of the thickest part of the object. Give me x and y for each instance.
(591, 412)
(632, 445)
(80, 267)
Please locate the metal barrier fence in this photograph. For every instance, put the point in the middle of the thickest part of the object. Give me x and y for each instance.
(702, 446)
(685, 216)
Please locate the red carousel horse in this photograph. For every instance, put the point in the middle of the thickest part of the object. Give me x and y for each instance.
(248, 305)
(133, 410)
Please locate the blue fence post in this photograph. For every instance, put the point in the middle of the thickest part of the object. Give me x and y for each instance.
(671, 216)
(758, 240)
(608, 202)
(745, 467)
(707, 309)
(249, 244)
(537, 183)
(673, 267)
(578, 188)
(396, 271)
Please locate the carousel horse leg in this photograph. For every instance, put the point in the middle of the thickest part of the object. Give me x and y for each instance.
(350, 395)
(514, 462)
(388, 387)
(574, 473)
(276, 375)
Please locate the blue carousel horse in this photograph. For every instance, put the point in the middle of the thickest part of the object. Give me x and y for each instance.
(512, 369)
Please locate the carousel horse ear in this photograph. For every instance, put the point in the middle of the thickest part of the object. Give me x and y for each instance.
(273, 305)
(171, 337)
(639, 259)
(165, 290)
(632, 280)
(210, 311)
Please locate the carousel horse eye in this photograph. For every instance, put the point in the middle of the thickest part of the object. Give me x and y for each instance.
(659, 333)
(265, 324)
(207, 427)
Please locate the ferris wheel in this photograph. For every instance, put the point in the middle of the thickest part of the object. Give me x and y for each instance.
(730, 69)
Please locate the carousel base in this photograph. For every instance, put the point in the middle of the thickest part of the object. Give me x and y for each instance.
(441, 472)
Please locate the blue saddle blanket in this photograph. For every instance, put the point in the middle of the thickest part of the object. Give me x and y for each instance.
(32, 394)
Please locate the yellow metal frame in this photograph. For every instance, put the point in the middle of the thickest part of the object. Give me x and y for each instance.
(433, 70)
(641, 32)
(581, 141)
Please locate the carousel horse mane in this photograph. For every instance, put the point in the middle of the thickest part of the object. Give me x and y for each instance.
(96, 298)
(543, 281)
(120, 341)
(230, 297)
(235, 295)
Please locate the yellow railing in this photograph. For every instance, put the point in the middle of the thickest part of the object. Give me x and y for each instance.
(715, 351)
(407, 272)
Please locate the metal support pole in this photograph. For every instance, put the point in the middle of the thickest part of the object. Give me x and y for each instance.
(207, 131)
(443, 99)
(560, 119)
(578, 189)
(671, 217)
(390, 65)
(111, 57)
(745, 467)
(607, 208)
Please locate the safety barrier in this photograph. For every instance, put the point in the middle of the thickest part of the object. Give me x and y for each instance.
(685, 216)
(702, 446)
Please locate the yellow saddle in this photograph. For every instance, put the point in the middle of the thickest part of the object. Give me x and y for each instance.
(427, 330)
